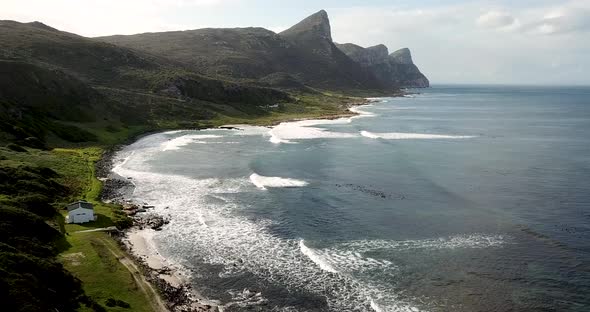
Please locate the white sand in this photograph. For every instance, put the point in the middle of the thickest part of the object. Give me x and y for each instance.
(140, 244)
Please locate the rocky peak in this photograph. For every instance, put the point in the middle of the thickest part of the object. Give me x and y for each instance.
(365, 56)
(316, 25)
(395, 69)
(402, 56)
(377, 53)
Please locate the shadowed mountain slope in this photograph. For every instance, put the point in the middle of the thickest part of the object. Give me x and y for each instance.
(305, 53)
(52, 82)
(396, 68)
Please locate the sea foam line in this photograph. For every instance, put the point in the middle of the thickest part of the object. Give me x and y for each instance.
(263, 182)
(316, 258)
(307, 129)
(410, 136)
(176, 143)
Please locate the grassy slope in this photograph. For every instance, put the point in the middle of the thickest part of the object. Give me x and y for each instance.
(88, 256)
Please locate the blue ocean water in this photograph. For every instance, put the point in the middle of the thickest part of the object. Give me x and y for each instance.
(460, 198)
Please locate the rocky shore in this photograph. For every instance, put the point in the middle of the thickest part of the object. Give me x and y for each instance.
(171, 283)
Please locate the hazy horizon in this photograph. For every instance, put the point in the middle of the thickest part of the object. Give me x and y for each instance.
(538, 43)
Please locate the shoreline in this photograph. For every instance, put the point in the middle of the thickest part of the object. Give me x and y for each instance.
(174, 287)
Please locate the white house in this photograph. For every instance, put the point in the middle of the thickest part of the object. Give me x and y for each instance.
(80, 212)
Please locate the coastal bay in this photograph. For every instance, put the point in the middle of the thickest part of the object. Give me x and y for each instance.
(269, 224)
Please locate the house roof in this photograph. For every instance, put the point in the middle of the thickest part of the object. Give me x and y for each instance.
(80, 204)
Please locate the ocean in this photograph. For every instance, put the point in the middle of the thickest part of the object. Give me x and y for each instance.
(459, 198)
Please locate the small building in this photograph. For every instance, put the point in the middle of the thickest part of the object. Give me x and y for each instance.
(80, 212)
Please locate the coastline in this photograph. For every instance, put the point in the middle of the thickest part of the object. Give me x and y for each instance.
(173, 285)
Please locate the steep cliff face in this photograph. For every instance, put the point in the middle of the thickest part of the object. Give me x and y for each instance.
(395, 69)
(301, 55)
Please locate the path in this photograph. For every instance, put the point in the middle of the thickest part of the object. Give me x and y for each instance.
(104, 229)
(157, 304)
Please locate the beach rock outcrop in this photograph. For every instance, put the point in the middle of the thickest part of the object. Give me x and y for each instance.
(151, 220)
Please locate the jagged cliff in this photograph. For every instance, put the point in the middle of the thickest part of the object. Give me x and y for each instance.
(302, 55)
(396, 68)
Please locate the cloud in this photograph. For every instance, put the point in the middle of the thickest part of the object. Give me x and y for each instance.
(495, 19)
(562, 21)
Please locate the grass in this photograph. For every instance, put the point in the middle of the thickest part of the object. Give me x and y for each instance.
(90, 258)
(94, 257)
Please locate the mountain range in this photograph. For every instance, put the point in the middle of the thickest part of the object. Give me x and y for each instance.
(304, 54)
(61, 87)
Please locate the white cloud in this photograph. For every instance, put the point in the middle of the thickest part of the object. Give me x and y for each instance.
(495, 19)
(564, 21)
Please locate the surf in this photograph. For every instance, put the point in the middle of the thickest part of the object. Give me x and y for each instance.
(178, 142)
(411, 136)
(315, 258)
(263, 182)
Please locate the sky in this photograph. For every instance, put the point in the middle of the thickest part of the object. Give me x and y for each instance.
(475, 42)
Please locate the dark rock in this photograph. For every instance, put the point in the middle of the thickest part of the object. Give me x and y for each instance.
(395, 69)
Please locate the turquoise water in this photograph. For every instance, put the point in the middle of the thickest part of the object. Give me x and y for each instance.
(461, 198)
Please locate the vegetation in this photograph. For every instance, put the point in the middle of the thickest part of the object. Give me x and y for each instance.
(31, 278)
(44, 263)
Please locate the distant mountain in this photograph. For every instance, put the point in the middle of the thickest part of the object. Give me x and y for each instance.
(396, 68)
(304, 53)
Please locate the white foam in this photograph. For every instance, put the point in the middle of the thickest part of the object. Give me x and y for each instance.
(361, 113)
(287, 132)
(207, 223)
(304, 130)
(263, 182)
(411, 136)
(452, 242)
(177, 143)
(378, 99)
(376, 307)
(247, 130)
(316, 258)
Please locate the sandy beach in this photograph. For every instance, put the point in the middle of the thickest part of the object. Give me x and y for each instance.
(168, 277)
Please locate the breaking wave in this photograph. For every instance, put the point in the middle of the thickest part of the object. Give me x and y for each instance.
(177, 143)
(263, 182)
(316, 258)
(411, 136)
(361, 113)
(305, 130)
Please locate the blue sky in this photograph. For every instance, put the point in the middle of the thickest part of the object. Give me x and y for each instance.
(498, 42)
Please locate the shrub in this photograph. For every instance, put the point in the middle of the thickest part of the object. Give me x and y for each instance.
(117, 303)
(123, 222)
(16, 148)
(34, 143)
